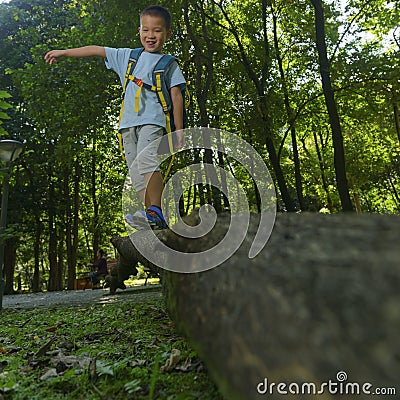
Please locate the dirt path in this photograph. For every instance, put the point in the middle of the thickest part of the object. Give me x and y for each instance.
(78, 298)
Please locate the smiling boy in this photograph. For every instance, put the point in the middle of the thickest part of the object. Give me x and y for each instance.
(143, 120)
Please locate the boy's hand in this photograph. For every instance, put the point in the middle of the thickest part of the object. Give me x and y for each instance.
(52, 56)
(180, 139)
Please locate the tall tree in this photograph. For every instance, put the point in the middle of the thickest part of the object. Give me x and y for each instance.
(289, 111)
(258, 78)
(337, 137)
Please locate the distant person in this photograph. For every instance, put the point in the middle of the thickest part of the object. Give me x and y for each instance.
(99, 268)
(143, 119)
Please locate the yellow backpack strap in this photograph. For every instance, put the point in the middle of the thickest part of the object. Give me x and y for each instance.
(135, 54)
(121, 145)
(166, 110)
(139, 83)
(169, 167)
(160, 94)
(164, 98)
(126, 81)
(121, 111)
(161, 88)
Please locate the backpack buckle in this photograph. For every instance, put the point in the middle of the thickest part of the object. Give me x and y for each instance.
(138, 82)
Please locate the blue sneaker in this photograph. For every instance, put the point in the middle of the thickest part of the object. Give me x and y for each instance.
(137, 220)
(156, 218)
(129, 219)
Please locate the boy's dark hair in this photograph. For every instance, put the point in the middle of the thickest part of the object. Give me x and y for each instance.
(158, 11)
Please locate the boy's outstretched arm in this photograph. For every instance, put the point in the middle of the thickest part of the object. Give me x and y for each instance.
(88, 51)
(177, 103)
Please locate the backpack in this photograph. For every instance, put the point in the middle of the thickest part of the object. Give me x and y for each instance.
(159, 86)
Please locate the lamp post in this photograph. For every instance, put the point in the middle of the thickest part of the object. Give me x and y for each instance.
(9, 152)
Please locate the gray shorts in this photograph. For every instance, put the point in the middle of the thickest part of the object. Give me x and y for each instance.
(140, 148)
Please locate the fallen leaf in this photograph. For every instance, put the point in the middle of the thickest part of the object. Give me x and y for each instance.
(71, 361)
(26, 322)
(42, 351)
(12, 349)
(55, 327)
(92, 370)
(51, 373)
(104, 368)
(172, 361)
(137, 363)
(188, 366)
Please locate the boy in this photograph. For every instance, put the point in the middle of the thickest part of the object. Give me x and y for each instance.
(143, 120)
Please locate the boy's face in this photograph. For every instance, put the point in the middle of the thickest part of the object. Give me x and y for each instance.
(153, 33)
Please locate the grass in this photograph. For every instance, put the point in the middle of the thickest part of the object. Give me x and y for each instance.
(123, 350)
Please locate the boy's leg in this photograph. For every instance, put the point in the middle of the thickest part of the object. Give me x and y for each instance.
(148, 165)
(154, 188)
(130, 139)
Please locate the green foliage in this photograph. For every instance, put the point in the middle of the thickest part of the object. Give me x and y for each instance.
(4, 105)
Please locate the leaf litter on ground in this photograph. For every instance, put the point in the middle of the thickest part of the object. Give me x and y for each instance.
(122, 350)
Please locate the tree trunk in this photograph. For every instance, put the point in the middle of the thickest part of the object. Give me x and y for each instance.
(75, 222)
(200, 186)
(258, 77)
(291, 119)
(36, 287)
(273, 157)
(72, 218)
(396, 118)
(68, 225)
(52, 253)
(321, 164)
(52, 243)
(262, 102)
(10, 256)
(337, 138)
(36, 255)
(204, 75)
(96, 219)
(221, 165)
(60, 264)
(212, 178)
(256, 191)
(395, 194)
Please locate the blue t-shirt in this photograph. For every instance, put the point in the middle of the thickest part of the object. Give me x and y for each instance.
(150, 110)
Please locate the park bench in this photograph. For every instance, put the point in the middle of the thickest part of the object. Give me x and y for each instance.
(83, 282)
